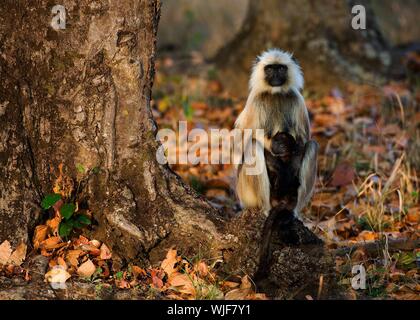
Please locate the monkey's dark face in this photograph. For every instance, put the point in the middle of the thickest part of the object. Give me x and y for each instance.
(275, 74)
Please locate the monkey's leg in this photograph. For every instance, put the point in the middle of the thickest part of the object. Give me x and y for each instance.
(253, 187)
(307, 174)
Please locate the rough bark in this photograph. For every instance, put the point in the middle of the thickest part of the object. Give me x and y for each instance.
(321, 37)
(82, 96)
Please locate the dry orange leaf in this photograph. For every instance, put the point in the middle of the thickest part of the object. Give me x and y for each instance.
(257, 296)
(242, 292)
(122, 284)
(105, 252)
(137, 271)
(91, 249)
(51, 243)
(246, 284)
(5, 252)
(202, 268)
(367, 235)
(40, 235)
(86, 269)
(62, 263)
(238, 294)
(230, 284)
(80, 241)
(413, 215)
(156, 278)
(53, 224)
(18, 256)
(73, 256)
(95, 243)
(168, 265)
(182, 283)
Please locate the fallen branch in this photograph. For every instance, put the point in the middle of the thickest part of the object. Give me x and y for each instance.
(375, 246)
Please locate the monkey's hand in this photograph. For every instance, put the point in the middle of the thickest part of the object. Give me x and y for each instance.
(283, 145)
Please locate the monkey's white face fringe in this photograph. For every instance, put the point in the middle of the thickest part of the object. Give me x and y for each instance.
(257, 83)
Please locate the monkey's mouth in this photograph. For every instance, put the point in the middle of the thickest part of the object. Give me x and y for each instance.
(277, 81)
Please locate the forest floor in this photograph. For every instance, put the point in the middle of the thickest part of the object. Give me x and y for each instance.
(367, 193)
(365, 206)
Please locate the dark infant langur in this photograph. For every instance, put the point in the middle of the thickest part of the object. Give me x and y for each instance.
(276, 105)
(283, 163)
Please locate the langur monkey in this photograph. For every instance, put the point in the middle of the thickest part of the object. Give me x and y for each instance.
(276, 105)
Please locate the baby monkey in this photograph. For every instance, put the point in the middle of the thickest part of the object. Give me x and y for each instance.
(283, 163)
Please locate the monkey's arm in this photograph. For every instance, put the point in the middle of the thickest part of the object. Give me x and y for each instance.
(307, 174)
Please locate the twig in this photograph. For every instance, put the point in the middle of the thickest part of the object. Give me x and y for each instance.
(371, 247)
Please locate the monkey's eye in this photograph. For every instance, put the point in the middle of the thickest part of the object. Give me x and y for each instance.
(269, 70)
(282, 67)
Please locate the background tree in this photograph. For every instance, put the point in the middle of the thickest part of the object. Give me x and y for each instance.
(320, 34)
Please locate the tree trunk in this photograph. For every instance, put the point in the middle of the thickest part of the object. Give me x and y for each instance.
(320, 35)
(81, 96)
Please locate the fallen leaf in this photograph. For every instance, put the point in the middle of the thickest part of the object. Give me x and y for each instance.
(257, 296)
(81, 241)
(238, 294)
(122, 284)
(246, 284)
(230, 284)
(168, 264)
(343, 175)
(325, 119)
(73, 256)
(367, 235)
(91, 249)
(202, 268)
(413, 215)
(95, 243)
(5, 252)
(105, 252)
(137, 271)
(52, 263)
(242, 292)
(40, 235)
(18, 256)
(62, 263)
(53, 224)
(57, 275)
(359, 255)
(182, 283)
(156, 278)
(86, 269)
(51, 243)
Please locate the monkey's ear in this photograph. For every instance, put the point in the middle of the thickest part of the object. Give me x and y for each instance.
(295, 60)
(257, 59)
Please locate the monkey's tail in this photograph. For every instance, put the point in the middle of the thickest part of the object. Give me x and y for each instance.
(253, 186)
